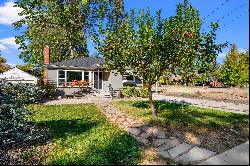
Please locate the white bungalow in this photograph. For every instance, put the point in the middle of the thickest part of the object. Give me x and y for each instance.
(16, 75)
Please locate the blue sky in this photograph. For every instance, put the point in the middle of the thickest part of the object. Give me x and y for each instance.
(234, 25)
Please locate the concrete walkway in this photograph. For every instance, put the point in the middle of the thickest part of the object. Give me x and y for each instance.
(224, 106)
(239, 155)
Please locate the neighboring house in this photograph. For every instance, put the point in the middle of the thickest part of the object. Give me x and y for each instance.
(66, 74)
(16, 75)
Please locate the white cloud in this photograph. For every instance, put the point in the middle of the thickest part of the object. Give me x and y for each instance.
(222, 55)
(9, 13)
(242, 50)
(3, 47)
(12, 64)
(6, 43)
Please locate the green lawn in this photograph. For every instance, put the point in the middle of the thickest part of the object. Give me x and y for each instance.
(81, 135)
(213, 129)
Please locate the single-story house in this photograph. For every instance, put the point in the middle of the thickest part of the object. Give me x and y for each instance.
(16, 75)
(67, 75)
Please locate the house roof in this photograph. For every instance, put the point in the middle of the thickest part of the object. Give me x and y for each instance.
(82, 63)
(17, 74)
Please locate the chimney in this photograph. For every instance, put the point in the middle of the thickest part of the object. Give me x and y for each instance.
(46, 62)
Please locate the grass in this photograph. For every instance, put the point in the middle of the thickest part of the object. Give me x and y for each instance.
(213, 129)
(81, 135)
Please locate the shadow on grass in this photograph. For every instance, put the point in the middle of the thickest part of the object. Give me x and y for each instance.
(160, 105)
(118, 150)
(61, 128)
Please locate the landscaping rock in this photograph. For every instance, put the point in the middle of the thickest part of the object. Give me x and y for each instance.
(180, 149)
(194, 155)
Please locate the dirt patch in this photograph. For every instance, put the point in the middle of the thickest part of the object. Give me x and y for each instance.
(32, 155)
(233, 95)
(214, 140)
(151, 157)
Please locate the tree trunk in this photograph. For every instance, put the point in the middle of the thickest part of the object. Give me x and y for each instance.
(151, 102)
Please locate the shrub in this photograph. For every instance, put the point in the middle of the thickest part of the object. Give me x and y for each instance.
(129, 91)
(14, 128)
(143, 92)
(49, 91)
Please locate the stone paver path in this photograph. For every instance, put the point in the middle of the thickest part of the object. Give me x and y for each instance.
(224, 106)
(168, 147)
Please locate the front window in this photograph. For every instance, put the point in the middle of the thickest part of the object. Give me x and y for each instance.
(61, 77)
(74, 76)
(126, 78)
(86, 76)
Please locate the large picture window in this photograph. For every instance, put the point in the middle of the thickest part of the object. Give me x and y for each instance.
(74, 75)
(72, 78)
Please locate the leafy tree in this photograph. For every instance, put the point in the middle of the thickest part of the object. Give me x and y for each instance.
(3, 66)
(150, 45)
(64, 25)
(234, 67)
(244, 68)
(26, 67)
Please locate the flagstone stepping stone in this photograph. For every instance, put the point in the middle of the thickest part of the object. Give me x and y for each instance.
(164, 154)
(144, 135)
(148, 129)
(144, 141)
(113, 119)
(194, 155)
(109, 115)
(134, 131)
(178, 150)
(137, 125)
(145, 128)
(130, 120)
(120, 120)
(111, 111)
(159, 134)
(170, 144)
(125, 123)
(158, 142)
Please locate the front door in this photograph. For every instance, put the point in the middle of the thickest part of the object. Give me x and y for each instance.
(96, 80)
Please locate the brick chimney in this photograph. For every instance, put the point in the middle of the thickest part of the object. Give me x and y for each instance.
(46, 62)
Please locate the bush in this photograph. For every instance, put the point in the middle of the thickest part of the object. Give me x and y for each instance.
(129, 91)
(49, 91)
(14, 128)
(143, 92)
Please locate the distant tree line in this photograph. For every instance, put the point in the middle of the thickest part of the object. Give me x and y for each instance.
(234, 71)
